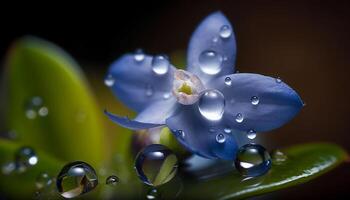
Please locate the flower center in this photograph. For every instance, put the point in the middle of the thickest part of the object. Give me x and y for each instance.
(186, 87)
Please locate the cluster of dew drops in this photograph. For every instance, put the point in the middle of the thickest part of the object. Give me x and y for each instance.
(156, 164)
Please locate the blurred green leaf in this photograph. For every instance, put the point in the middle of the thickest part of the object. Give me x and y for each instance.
(304, 162)
(22, 185)
(73, 129)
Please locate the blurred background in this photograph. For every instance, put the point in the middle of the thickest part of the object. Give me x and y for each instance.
(305, 43)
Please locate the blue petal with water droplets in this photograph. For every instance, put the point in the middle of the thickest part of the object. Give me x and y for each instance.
(130, 124)
(278, 103)
(207, 37)
(136, 85)
(199, 135)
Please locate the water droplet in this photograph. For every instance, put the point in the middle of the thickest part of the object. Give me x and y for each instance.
(225, 31)
(30, 114)
(251, 134)
(139, 56)
(25, 158)
(43, 111)
(211, 105)
(220, 138)
(156, 165)
(8, 168)
(252, 160)
(278, 80)
(43, 180)
(227, 130)
(109, 80)
(160, 65)
(112, 180)
(152, 194)
(228, 81)
(254, 100)
(166, 95)
(149, 90)
(210, 62)
(278, 156)
(239, 118)
(76, 178)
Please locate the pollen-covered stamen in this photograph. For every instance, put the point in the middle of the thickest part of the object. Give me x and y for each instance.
(186, 87)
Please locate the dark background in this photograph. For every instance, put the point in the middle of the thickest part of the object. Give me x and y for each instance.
(306, 43)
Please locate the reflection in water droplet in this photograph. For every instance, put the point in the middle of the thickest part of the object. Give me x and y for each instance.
(25, 158)
(43, 180)
(160, 65)
(112, 180)
(76, 178)
(228, 81)
(252, 160)
(210, 62)
(220, 138)
(139, 56)
(156, 165)
(225, 31)
(152, 194)
(149, 90)
(239, 118)
(251, 134)
(211, 105)
(254, 100)
(109, 80)
(8, 168)
(278, 156)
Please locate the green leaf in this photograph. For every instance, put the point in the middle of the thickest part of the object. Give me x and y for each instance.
(303, 163)
(22, 185)
(73, 129)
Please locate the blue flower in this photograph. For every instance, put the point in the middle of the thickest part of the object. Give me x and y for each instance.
(206, 106)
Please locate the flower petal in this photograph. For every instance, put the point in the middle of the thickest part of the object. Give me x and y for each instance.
(130, 124)
(136, 84)
(199, 135)
(262, 103)
(210, 36)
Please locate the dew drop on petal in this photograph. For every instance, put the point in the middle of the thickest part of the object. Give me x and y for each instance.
(254, 100)
(112, 180)
(239, 118)
(160, 65)
(25, 158)
(43, 180)
(252, 160)
(227, 130)
(251, 134)
(109, 80)
(228, 81)
(278, 80)
(152, 194)
(139, 56)
(220, 138)
(156, 165)
(225, 31)
(211, 105)
(75, 179)
(210, 62)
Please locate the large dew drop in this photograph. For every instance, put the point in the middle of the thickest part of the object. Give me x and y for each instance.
(75, 179)
(252, 160)
(211, 105)
(156, 165)
(210, 62)
(25, 158)
(160, 65)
